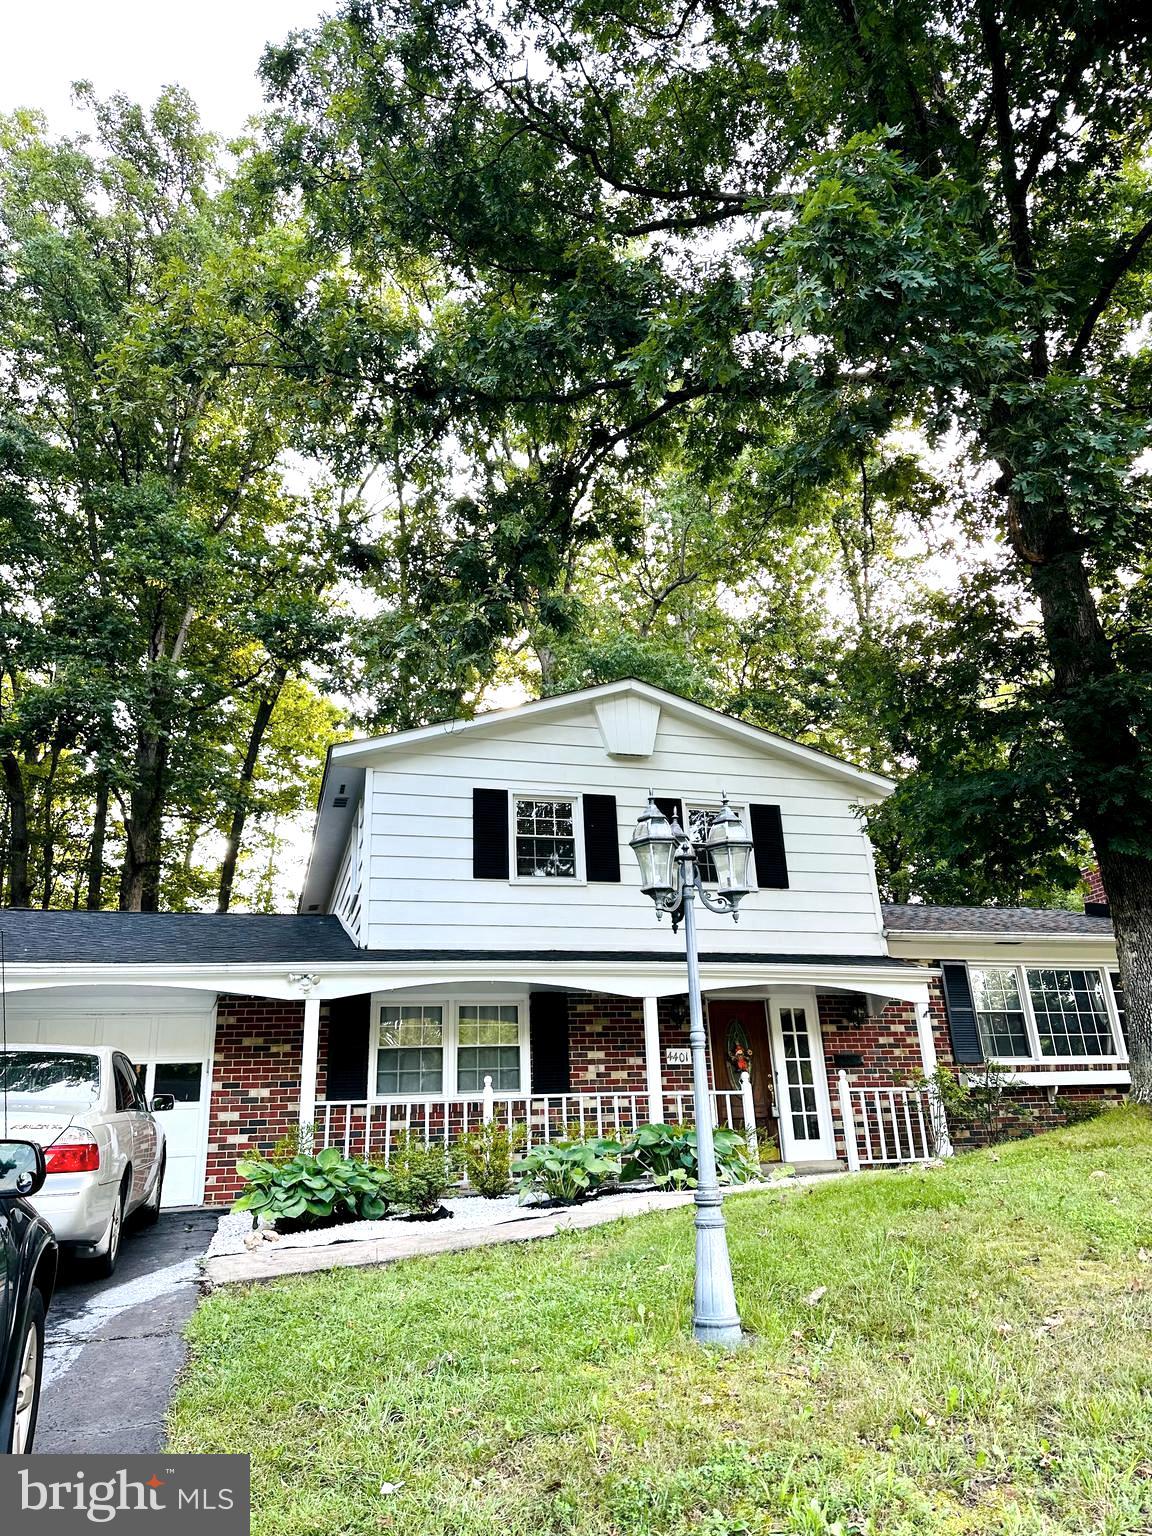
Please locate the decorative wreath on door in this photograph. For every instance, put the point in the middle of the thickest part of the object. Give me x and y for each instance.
(737, 1052)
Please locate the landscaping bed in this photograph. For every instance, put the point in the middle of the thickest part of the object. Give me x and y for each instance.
(959, 1351)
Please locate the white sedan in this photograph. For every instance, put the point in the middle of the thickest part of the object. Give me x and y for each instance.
(103, 1149)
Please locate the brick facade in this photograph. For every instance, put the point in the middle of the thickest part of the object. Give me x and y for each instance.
(605, 1044)
(257, 1051)
(255, 1085)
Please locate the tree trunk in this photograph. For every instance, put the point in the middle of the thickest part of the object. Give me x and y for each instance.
(144, 828)
(19, 884)
(247, 773)
(1109, 769)
(48, 848)
(96, 848)
(1128, 882)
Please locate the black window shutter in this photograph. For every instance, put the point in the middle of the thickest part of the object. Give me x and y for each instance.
(966, 1046)
(768, 847)
(346, 1064)
(490, 834)
(673, 810)
(601, 838)
(548, 1037)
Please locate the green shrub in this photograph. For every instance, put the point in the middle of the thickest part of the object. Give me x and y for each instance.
(667, 1155)
(567, 1170)
(1076, 1111)
(417, 1176)
(485, 1158)
(311, 1191)
(978, 1101)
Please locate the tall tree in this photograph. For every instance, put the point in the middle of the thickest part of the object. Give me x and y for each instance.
(664, 220)
(158, 567)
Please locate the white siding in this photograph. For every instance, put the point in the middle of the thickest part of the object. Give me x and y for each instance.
(347, 893)
(418, 889)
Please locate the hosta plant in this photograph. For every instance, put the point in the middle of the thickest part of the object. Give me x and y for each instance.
(307, 1190)
(567, 1171)
(667, 1155)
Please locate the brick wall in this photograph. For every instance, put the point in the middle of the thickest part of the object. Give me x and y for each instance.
(255, 1085)
(887, 1041)
(605, 1044)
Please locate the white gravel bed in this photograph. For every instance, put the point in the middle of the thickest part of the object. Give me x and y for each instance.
(467, 1211)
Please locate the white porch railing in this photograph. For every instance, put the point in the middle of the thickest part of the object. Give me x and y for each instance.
(369, 1129)
(888, 1126)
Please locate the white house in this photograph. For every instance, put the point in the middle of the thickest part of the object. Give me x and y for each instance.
(472, 940)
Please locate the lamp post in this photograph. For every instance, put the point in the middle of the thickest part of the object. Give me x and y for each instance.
(670, 875)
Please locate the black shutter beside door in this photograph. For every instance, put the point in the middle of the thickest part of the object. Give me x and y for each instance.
(767, 831)
(548, 1037)
(490, 834)
(967, 1049)
(346, 1062)
(601, 838)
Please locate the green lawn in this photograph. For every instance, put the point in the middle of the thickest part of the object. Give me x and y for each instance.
(960, 1350)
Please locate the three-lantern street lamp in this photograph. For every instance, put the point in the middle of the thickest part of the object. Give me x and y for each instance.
(670, 874)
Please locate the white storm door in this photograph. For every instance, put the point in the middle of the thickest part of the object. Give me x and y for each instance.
(184, 1126)
(807, 1134)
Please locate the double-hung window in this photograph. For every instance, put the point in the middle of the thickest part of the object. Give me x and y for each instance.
(1037, 1013)
(409, 1048)
(424, 1049)
(544, 836)
(1000, 1013)
(488, 1045)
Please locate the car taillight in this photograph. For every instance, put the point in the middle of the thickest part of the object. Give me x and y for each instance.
(75, 1152)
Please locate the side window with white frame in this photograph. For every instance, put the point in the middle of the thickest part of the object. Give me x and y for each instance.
(1070, 1011)
(1038, 1013)
(999, 1013)
(544, 839)
(488, 1045)
(1118, 999)
(409, 1048)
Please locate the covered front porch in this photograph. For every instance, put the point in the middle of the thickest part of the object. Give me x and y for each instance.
(812, 1064)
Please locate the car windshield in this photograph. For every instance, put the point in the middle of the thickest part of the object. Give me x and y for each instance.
(64, 1078)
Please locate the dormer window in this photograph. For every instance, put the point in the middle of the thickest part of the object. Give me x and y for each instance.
(545, 839)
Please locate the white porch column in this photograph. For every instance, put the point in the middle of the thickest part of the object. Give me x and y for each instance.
(653, 1078)
(924, 1034)
(925, 1037)
(309, 1061)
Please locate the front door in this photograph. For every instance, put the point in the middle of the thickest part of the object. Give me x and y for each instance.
(739, 1036)
(806, 1131)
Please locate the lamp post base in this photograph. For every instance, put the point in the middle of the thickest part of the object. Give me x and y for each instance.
(715, 1319)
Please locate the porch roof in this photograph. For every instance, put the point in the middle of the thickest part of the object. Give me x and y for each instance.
(239, 938)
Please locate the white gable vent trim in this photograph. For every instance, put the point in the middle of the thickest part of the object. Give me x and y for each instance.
(628, 725)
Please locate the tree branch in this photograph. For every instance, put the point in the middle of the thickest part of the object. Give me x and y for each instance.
(1121, 263)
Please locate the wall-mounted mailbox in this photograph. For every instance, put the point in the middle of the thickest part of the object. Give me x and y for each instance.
(841, 1059)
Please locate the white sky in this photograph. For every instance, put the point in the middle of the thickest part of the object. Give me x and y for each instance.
(137, 46)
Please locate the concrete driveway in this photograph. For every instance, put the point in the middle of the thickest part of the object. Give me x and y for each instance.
(113, 1347)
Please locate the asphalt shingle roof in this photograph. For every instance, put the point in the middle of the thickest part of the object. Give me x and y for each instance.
(171, 938)
(911, 918)
(243, 938)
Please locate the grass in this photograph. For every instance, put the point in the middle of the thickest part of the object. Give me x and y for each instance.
(962, 1351)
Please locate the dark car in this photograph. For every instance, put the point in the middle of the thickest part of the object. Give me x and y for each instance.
(27, 1279)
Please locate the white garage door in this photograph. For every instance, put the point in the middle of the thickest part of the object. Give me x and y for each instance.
(167, 1034)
